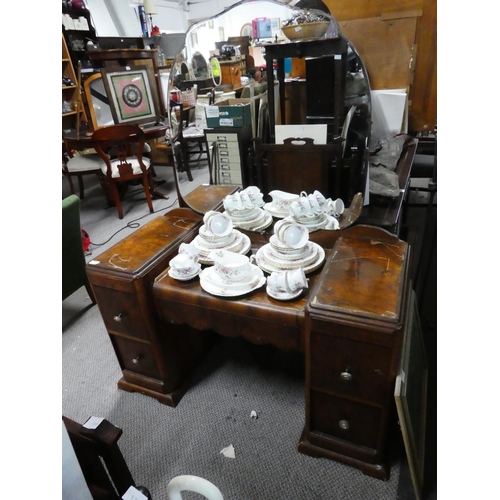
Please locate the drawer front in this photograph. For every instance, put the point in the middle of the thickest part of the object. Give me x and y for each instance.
(350, 368)
(356, 423)
(228, 147)
(230, 162)
(221, 138)
(230, 177)
(120, 312)
(135, 356)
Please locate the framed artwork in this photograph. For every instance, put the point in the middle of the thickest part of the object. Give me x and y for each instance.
(130, 95)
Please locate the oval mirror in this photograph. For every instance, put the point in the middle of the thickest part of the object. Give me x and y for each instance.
(232, 27)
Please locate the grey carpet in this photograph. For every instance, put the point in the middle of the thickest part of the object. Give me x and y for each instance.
(160, 442)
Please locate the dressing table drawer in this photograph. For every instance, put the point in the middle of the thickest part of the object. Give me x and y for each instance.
(120, 312)
(350, 368)
(343, 419)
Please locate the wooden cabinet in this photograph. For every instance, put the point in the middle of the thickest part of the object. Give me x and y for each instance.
(121, 279)
(356, 315)
(231, 72)
(69, 91)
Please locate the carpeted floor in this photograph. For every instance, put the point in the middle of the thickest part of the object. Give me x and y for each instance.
(235, 379)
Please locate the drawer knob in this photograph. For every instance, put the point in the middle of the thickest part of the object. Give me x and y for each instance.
(118, 318)
(344, 424)
(136, 360)
(345, 375)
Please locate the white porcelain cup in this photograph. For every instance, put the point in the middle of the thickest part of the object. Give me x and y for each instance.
(320, 198)
(295, 235)
(280, 227)
(245, 200)
(189, 249)
(219, 224)
(335, 207)
(277, 283)
(315, 206)
(296, 279)
(183, 264)
(233, 202)
(231, 266)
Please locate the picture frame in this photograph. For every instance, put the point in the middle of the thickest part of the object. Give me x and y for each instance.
(130, 95)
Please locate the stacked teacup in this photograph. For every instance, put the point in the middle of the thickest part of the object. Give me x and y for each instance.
(288, 248)
(316, 212)
(185, 266)
(244, 208)
(217, 232)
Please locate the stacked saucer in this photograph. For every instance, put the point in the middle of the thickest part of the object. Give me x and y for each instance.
(205, 242)
(289, 248)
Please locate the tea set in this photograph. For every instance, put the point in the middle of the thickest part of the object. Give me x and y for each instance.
(287, 258)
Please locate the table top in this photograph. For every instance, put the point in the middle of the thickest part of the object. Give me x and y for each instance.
(85, 140)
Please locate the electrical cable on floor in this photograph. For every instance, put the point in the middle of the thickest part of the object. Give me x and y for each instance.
(133, 224)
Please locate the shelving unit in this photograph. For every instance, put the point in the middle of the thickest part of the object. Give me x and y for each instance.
(76, 39)
(70, 92)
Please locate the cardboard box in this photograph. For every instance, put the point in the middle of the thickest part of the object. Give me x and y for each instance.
(229, 113)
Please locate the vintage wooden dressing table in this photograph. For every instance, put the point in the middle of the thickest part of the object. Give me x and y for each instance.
(349, 325)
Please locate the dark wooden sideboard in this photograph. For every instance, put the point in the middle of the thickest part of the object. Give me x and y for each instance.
(350, 325)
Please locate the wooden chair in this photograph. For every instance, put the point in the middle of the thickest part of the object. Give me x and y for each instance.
(126, 142)
(101, 461)
(300, 165)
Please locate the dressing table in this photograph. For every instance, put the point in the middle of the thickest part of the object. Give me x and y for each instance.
(349, 325)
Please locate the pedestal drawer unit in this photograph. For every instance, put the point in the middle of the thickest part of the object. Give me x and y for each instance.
(122, 278)
(353, 343)
(227, 165)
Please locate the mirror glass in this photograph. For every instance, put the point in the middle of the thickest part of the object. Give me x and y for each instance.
(233, 28)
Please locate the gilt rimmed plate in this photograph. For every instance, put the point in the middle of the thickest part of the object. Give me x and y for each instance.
(268, 207)
(241, 244)
(212, 283)
(268, 267)
(283, 295)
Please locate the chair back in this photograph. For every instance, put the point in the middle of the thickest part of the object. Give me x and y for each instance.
(123, 142)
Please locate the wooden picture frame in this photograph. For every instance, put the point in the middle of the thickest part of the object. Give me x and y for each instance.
(410, 394)
(130, 94)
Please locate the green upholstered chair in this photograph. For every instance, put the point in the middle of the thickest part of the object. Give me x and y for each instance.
(73, 257)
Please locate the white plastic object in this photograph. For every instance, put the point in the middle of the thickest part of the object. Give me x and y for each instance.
(192, 483)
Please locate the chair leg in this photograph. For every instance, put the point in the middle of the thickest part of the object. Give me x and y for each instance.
(70, 182)
(116, 198)
(80, 186)
(148, 182)
(185, 160)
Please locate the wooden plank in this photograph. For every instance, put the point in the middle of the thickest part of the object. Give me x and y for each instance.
(387, 16)
(386, 48)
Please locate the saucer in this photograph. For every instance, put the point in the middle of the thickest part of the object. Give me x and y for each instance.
(284, 295)
(241, 244)
(268, 267)
(184, 277)
(269, 207)
(259, 223)
(212, 283)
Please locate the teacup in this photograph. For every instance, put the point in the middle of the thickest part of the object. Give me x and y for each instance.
(255, 196)
(314, 203)
(232, 202)
(189, 249)
(296, 235)
(231, 266)
(296, 279)
(335, 207)
(218, 223)
(277, 283)
(280, 227)
(301, 207)
(320, 198)
(183, 264)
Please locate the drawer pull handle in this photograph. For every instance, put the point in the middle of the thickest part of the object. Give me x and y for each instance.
(345, 375)
(118, 318)
(344, 424)
(136, 360)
